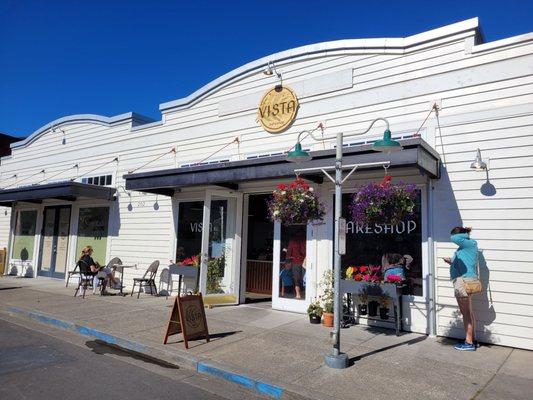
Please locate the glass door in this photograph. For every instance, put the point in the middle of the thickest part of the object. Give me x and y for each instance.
(221, 241)
(292, 268)
(54, 241)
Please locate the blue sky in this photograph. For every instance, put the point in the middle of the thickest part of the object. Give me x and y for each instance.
(64, 57)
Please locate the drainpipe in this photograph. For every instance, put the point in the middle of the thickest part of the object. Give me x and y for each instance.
(432, 315)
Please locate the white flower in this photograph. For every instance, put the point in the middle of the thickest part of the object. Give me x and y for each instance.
(311, 189)
(283, 192)
(301, 200)
(276, 212)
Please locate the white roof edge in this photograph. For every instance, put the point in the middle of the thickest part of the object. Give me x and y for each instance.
(346, 44)
(526, 37)
(136, 119)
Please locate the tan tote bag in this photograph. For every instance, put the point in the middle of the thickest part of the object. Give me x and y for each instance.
(473, 286)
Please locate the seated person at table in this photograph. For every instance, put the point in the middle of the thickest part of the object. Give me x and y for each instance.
(86, 257)
(287, 279)
(395, 264)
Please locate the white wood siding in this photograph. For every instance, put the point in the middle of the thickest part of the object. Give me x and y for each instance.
(486, 95)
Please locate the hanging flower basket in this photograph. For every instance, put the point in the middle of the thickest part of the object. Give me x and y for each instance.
(295, 204)
(383, 203)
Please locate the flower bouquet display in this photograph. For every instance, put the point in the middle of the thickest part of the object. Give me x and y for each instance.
(193, 261)
(383, 203)
(295, 204)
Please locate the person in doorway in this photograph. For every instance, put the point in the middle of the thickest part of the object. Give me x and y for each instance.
(296, 256)
(287, 280)
(86, 257)
(463, 267)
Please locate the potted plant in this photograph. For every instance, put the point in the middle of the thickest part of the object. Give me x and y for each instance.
(384, 307)
(327, 297)
(373, 308)
(382, 203)
(295, 204)
(362, 306)
(315, 312)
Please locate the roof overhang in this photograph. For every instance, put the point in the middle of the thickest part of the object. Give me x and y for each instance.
(67, 191)
(416, 153)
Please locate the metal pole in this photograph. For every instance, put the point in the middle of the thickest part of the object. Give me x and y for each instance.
(336, 359)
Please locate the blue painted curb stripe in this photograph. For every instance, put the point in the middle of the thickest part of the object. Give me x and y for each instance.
(83, 330)
(249, 383)
(43, 318)
(273, 391)
(268, 389)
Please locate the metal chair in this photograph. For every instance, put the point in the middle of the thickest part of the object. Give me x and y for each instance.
(73, 272)
(115, 265)
(86, 277)
(165, 278)
(147, 279)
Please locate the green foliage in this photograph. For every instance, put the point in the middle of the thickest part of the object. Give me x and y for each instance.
(315, 309)
(328, 294)
(215, 273)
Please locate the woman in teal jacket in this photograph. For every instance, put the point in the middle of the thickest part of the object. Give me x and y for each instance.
(463, 267)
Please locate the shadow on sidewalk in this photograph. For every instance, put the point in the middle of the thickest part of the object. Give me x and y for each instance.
(11, 287)
(102, 348)
(353, 360)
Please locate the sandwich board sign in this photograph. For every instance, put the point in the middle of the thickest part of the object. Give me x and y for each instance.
(188, 318)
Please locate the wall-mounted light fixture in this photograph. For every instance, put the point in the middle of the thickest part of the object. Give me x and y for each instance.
(271, 70)
(478, 164)
(64, 137)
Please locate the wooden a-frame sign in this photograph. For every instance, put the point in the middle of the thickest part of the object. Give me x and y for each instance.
(188, 318)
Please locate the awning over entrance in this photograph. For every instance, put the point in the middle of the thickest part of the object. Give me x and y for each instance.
(69, 191)
(416, 153)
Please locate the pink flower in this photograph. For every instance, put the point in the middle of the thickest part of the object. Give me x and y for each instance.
(394, 278)
(366, 278)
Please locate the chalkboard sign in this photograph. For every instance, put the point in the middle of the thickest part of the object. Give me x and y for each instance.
(188, 318)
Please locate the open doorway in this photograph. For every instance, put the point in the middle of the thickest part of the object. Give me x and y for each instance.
(259, 251)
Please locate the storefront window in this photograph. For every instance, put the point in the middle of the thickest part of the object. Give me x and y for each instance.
(92, 231)
(24, 235)
(221, 235)
(366, 245)
(293, 261)
(190, 217)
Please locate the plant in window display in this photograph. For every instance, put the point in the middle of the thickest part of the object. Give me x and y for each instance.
(295, 204)
(193, 261)
(383, 203)
(396, 279)
(384, 307)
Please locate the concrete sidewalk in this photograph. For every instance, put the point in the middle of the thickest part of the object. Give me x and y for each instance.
(279, 353)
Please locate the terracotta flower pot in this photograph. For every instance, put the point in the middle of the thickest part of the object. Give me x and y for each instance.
(328, 320)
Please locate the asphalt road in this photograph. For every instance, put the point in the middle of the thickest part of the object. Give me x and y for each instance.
(35, 365)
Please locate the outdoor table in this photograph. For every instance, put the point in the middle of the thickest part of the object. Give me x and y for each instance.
(184, 271)
(375, 289)
(121, 267)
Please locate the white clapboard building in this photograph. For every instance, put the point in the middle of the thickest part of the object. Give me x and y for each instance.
(145, 190)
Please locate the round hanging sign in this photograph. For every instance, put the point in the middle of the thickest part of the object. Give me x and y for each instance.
(277, 109)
